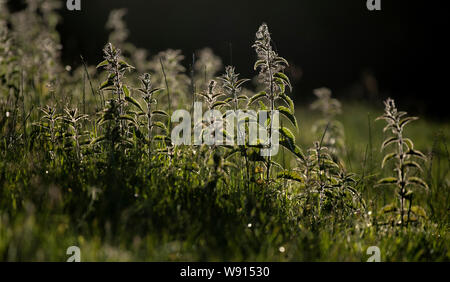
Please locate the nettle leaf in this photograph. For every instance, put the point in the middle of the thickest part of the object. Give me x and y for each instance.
(293, 149)
(134, 102)
(287, 113)
(388, 180)
(127, 117)
(242, 97)
(241, 81)
(107, 83)
(259, 63)
(388, 142)
(263, 106)
(98, 139)
(387, 158)
(162, 126)
(288, 101)
(417, 181)
(125, 65)
(408, 143)
(407, 120)
(286, 133)
(166, 139)
(412, 164)
(126, 91)
(218, 104)
(291, 175)
(160, 112)
(103, 64)
(256, 97)
(416, 153)
(284, 78)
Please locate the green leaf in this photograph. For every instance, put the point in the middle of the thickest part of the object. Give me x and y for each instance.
(257, 97)
(388, 180)
(286, 133)
(284, 78)
(127, 117)
(293, 149)
(240, 82)
(417, 181)
(98, 139)
(388, 142)
(407, 120)
(160, 112)
(412, 164)
(218, 104)
(102, 64)
(134, 102)
(258, 63)
(387, 158)
(126, 91)
(288, 100)
(291, 175)
(106, 84)
(416, 153)
(287, 113)
(125, 65)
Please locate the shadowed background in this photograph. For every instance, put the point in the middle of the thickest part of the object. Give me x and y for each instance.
(397, 52)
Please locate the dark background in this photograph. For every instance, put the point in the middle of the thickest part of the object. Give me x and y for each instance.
(332, 42)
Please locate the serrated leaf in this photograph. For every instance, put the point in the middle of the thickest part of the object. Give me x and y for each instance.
(258, 63)
(407, 120)
(134, 102)
(416, 153)
(288, 100)
(412, 164)
(388, 142)
(388, 180)
(256, 97)
(218, 104)
(287, 113)
(284, 78)
(417, 181)
(291, 175)
(102, 64)
(387, 158)
(160, 112)
(126, 91)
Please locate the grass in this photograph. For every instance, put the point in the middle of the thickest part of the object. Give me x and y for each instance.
(109, 180)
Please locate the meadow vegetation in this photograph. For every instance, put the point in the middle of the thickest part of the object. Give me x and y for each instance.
(86, 159)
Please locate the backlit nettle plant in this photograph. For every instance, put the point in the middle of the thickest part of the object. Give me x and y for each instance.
(120, 125)
(403, 156)
(271, 67)
(332, 129)
(73, 119)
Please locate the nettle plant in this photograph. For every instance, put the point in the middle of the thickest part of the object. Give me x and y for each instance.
(403, 156)
(120, 124)
(331, 129)
(271, 67)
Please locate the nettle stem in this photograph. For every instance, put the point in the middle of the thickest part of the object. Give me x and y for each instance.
(272, 107)
(402, 173)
